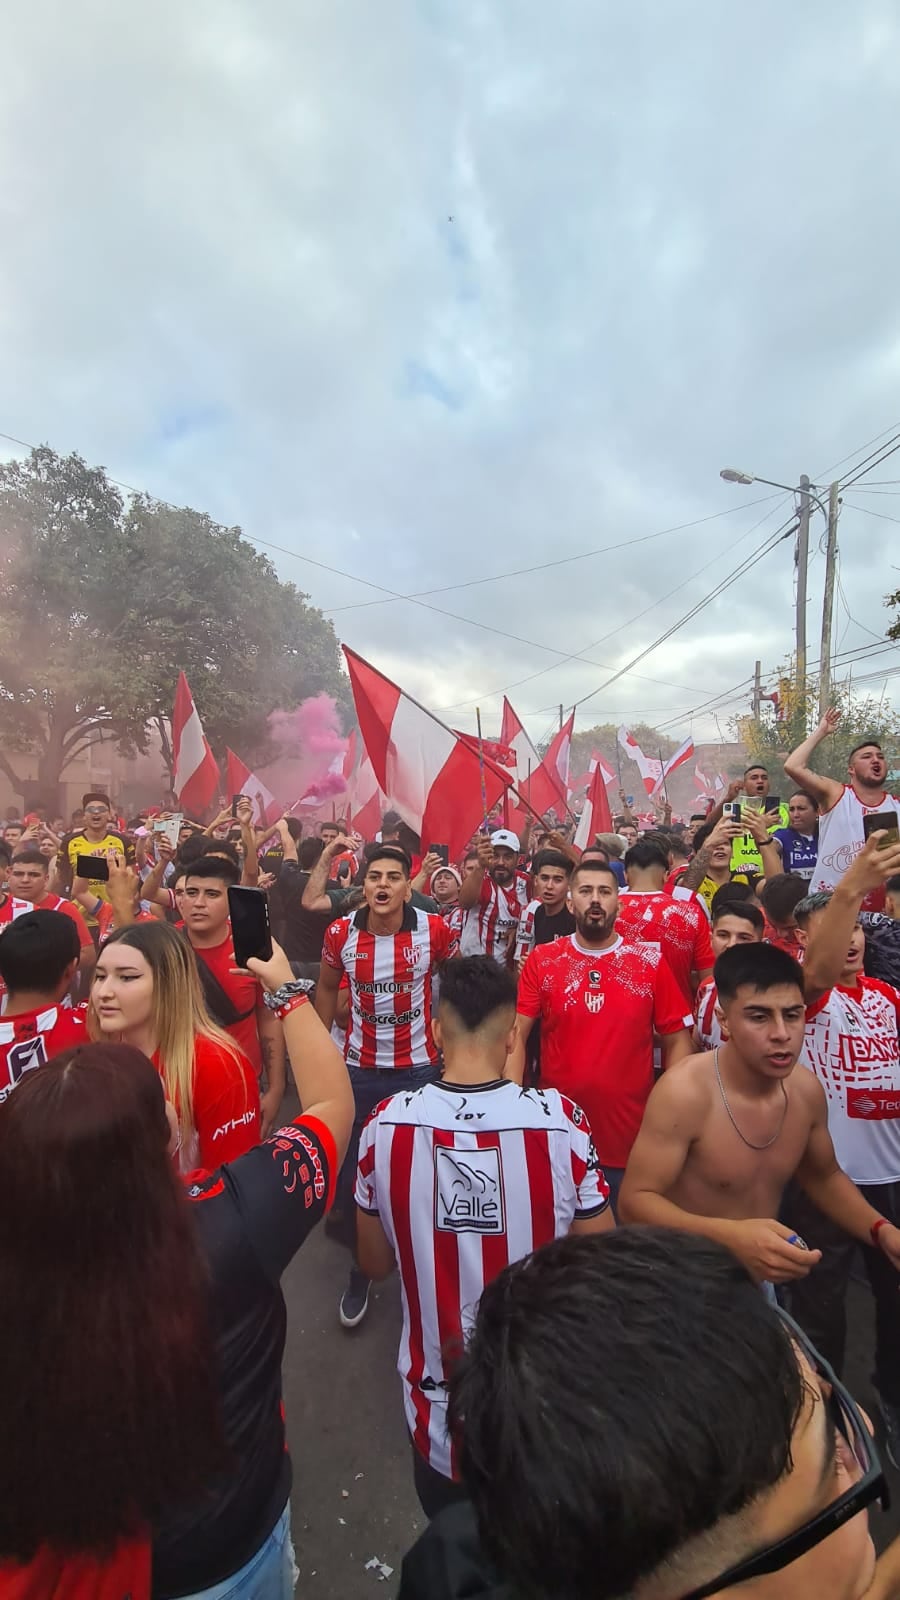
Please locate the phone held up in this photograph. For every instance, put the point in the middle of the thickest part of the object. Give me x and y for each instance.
(95, 869)
(442, 850)
(250, 930)
(235, 802)
(876, 821)
(731, 810)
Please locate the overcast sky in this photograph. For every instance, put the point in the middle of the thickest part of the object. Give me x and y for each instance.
(430, 292)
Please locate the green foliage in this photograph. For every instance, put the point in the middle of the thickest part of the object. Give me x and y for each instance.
(771, 740)
(893, 600)
(102, 603)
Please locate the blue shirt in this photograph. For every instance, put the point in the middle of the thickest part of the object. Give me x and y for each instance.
(798, 852)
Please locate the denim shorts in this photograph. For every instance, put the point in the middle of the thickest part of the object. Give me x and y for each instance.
(270, 1574)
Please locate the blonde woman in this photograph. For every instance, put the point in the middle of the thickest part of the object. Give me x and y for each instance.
(146, 993)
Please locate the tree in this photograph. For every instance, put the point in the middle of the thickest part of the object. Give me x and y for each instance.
(772, 737)
(101, 604)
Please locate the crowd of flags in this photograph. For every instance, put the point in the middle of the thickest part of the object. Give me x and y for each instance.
(442, 782)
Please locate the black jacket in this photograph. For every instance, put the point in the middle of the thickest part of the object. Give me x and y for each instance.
(448, 1563)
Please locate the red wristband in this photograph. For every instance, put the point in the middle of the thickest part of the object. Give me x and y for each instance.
(873, 1231)
(291, 1005)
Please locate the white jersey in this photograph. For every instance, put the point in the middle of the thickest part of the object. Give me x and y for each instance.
(708, 1027)
(525, 931)
(852, 1047)
(841, 836)
(464, 1181)
(490, 927)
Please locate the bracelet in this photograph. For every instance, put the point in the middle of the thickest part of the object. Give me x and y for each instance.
(287, 991)
(293, 1004)
(873, 1231)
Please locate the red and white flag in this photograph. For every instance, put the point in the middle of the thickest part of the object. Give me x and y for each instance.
(240, 780)
(196, 777)
(549, 786)
(513, 735)
(596, 816)
(596, 760)
(683, 753)
(430, 776)
(650, 770)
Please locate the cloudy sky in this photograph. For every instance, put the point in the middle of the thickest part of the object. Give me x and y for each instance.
(430, 293)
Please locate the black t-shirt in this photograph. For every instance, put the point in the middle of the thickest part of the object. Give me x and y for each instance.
(252, 1216)
(303, 930)
(547, 928)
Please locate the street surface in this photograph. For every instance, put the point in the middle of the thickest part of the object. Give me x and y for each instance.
(345, 1421)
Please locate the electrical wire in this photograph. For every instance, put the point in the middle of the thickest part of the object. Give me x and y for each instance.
(861, 470)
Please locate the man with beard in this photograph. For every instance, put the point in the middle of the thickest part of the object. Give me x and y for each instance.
(494, 897)
(842, 806)
(600, 1001)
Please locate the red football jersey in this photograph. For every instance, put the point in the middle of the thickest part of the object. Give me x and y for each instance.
(27, 1041)
(676, 922)
(598, 1011)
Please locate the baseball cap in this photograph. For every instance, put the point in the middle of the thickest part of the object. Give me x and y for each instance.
(505, 839)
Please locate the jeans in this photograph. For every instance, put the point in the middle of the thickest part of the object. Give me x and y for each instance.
(614, 1176)
(371, 1085)
(817, 1301)
(270, 1574)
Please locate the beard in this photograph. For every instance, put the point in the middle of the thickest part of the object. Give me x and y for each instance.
(593, 930)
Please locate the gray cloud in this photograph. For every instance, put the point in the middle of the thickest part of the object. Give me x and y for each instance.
(433, 292)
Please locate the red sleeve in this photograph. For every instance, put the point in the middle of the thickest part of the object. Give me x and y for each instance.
(703, 951)
(529, 1001)
(333, 944)
(444, 939)
(72, 912)
(670, 1013)
(226, 1104)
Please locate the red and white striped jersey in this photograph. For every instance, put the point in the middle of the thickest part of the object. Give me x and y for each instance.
(390, 986)
(490, 927)
(852, 1046)
(35, 1037)
(708, 1027)
(675, 922)
(466, 1179)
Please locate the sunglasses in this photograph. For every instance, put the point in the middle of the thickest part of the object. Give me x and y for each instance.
(844, 1415)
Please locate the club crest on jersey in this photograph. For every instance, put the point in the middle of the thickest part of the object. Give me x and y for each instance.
(594, 1000)
(410, 954)
(468, 1191)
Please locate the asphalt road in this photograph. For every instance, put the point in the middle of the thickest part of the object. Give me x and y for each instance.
(353, 1496)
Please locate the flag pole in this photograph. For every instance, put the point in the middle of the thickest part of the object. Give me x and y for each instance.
(662, 769)
(484, 804)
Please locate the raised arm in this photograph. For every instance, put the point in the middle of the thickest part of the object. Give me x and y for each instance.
(628, 816)
(830, 934)
(430, 863)
(250, 873)
(826, 791)
(724, 831)
(316, 1063)
(470, 892)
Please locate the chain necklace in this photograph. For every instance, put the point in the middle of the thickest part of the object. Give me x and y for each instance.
(748, 1142)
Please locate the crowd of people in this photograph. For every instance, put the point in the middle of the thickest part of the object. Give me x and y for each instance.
(619, 1118)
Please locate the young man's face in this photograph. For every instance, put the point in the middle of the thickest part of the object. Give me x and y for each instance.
(729, 929)
(96, 816)
(766, 1027)
(868, 766)
(13, 833)
(629, 832)
(856, 949)
(444, 887)
(594, 898)
(756, 782)
(328, 833)
(551, 886)
(27, 880)
(470, 865)
(204, 906)
(385, 887)
(720, 854)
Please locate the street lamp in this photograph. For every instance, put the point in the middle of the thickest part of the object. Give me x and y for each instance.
(732, 475)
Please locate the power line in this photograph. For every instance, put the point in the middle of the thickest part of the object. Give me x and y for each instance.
(862, 469)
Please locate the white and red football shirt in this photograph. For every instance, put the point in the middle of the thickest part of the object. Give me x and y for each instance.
(674, 921)
(599, 1010)
(490, 927)
(852, 1047)
(35, 1037)
(466, 1179)
(841, 838)
(66, 908)
(390, 986)
(707, 1026)
(9, 910)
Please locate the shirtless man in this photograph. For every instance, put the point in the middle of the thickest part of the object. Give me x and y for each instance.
(724, 1131)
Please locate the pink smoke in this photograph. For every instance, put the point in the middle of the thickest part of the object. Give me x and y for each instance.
(325, 788)
(310, 747)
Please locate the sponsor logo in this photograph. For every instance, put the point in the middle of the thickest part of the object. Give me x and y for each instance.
(468, 1191)
(389, 1019)
(236, 1122)
(384, 988)
(841, 859)
(594, 976)
(873, 1105)
(594, 1001)
(463, 1114)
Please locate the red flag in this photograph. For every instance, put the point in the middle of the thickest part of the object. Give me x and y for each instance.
(514, 737)
(196, 779)
(549, 785)
(596, 816)
(240, 780)
(430, 776)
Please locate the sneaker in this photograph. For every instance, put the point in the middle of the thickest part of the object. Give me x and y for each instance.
(354, 1300)
(890, 1417)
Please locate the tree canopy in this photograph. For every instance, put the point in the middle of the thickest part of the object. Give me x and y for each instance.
(103, 601)
(771, 739)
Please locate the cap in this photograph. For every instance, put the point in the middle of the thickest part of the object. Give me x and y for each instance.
(505, 839)
(454, 873)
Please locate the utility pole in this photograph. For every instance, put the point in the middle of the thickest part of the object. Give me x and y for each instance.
(828, 601)
(800, 624)
(757, 690)
(560, 719)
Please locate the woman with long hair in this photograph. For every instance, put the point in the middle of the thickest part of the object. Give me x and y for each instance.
(144, 1328)
(145, 992)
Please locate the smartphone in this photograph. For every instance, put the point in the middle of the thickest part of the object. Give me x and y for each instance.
(731, 810)
(170, 826)
(629, 800)
(442, 850)
(250, 930)
(235, 801)
(874, 821)
(773, 801)
(94, 868)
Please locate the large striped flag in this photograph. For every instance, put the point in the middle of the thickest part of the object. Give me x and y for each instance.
(196, 775)
(240, 780)
(549, 786)
(596, 816)
(436, 781)
(513, 735)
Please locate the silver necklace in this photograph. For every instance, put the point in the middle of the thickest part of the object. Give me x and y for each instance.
(748, 1142)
